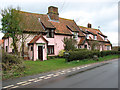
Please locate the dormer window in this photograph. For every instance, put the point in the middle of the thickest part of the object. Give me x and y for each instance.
(87, 36)
(75, 35)
(50, 33)
(105, 39)
(95, 37)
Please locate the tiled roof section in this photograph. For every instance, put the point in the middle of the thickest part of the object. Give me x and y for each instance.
(36, 38)
(82, 40)
(32, 23)
(94, 31)
(61, 26)
(81, 33)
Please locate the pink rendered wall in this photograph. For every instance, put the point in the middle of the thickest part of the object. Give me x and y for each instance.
(8, 42)
(57, 42)
(59, 45)
(35, 52)
(30, 53)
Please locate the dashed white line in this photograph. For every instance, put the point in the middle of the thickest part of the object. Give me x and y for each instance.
(15, 87)
(26, 83)
(55, 75)
(38, 80)
(8, 86)
(78, 68)
(47, 77)
(22, 82)
(50, 74)
(32, 79)
(68, 71)
(42, 77)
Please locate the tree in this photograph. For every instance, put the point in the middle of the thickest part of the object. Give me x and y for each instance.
(95, 45)
(69, 43)
(11, 19)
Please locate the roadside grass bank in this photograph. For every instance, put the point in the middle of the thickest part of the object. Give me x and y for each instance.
(37, 67)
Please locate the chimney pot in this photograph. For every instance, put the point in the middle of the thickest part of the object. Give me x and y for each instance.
(53, 13)
(89, 25)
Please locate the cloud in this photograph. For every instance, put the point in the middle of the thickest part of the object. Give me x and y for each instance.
(103, 13)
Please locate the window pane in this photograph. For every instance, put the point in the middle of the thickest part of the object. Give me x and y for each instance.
(50, 49)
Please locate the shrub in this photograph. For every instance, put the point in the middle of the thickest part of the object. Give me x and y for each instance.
(11, 64)
(69, 43)
(51, 57)
(87, 54)
(61, 53)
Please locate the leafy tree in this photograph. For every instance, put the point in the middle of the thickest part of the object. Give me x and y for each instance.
(95, 45)
(69, 43)
(11, 26)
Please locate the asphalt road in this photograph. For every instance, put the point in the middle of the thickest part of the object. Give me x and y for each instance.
(96, 76)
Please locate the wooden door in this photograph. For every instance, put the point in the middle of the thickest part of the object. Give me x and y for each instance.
(40, 52)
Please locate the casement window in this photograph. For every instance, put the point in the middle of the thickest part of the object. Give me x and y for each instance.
(87, 36)
(105, 39)
(108, 47)
(50, 49)
(50, 34)
(95, 37)
(75, 35)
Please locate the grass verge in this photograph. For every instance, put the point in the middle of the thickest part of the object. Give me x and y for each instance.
(36, 67)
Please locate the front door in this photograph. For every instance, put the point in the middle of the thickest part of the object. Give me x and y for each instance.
(40, 52)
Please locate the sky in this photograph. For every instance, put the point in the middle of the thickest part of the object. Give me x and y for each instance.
(103, 13)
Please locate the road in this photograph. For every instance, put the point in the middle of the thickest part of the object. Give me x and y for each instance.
(95, 76)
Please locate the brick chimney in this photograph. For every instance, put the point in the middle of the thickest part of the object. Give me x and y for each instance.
(89, 25)
(53, 13)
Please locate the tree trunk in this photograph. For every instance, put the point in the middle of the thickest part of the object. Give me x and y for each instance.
(22, 47)
(14, 46)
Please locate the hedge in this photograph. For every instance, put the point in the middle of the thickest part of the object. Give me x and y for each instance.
(87, 54)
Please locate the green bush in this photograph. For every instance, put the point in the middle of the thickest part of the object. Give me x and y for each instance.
(51, 57)
(87, 54)
(11, 64)
(61, 53)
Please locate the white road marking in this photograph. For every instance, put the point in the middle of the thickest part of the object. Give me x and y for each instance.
(15, 87)
(38, 80)
(47, 77)
(62, 71)
(22, 82)
(78, 68)
(73, 68)
(32, 79)
(55, 75)
(26, 83)
(8, 86)
(42, 77)
(50, 74)
(68, 71)
(82, 67)
(85, 66)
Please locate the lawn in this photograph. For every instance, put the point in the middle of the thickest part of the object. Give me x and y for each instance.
(36, 67)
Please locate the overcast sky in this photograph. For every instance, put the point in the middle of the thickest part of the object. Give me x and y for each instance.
(103, 13)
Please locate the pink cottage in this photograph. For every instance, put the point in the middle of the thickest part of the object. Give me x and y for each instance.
(44, 34)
